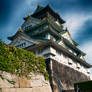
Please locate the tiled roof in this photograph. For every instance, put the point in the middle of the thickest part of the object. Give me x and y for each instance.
(59, 47)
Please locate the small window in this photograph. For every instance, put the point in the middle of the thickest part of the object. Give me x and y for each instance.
(40, 51)
(58, 52)
(78, 66)
(24, 43)
(34, 52)
(88, 72)
(69, 63)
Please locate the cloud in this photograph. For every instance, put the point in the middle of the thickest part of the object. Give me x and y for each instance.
(7, 31)
(87, 48)
(75, 22)
(85, 32)
(32, 4)
(69, 6)
(7, 7)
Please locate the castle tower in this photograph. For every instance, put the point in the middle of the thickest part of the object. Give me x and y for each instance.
(43, 34)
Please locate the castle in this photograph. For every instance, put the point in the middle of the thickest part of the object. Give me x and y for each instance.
(44, 35)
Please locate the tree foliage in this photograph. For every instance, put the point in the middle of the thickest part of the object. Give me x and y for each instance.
(21, 62)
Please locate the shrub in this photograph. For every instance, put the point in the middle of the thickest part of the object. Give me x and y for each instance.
(21, 62)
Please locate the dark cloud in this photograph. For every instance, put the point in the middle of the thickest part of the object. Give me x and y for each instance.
(86, 3)
(72, 5)
(85, 32)
(6, 9)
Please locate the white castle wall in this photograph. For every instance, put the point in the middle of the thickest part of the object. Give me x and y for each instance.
(60, 57)
(62, 44)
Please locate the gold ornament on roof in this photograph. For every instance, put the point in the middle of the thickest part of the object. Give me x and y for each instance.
(20, 29)
(29, 14)
(38, 23)
(67, 30)
(38, 42)
(38, 5)
(28, 17)
(19, 36)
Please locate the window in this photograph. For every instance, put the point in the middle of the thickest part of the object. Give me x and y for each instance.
(24, 44)
(78, 66)
(34, 52)
(58, 52)
(40, 51)
(88, 72)
(70, 61)
(45, 27)
(21, 45)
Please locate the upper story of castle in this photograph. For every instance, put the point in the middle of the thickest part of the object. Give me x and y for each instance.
(46, 25)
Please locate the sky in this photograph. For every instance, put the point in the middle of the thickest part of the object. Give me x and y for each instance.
(76, 13)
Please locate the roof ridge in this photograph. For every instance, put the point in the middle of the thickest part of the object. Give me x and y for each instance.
(39, 8)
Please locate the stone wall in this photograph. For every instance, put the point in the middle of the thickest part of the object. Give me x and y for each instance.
(63, 77)
(34, 89)
(37, 83)
(19, 81)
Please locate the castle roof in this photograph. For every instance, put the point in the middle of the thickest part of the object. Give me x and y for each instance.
(58, 47)
(43, 11)
(51, 23)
